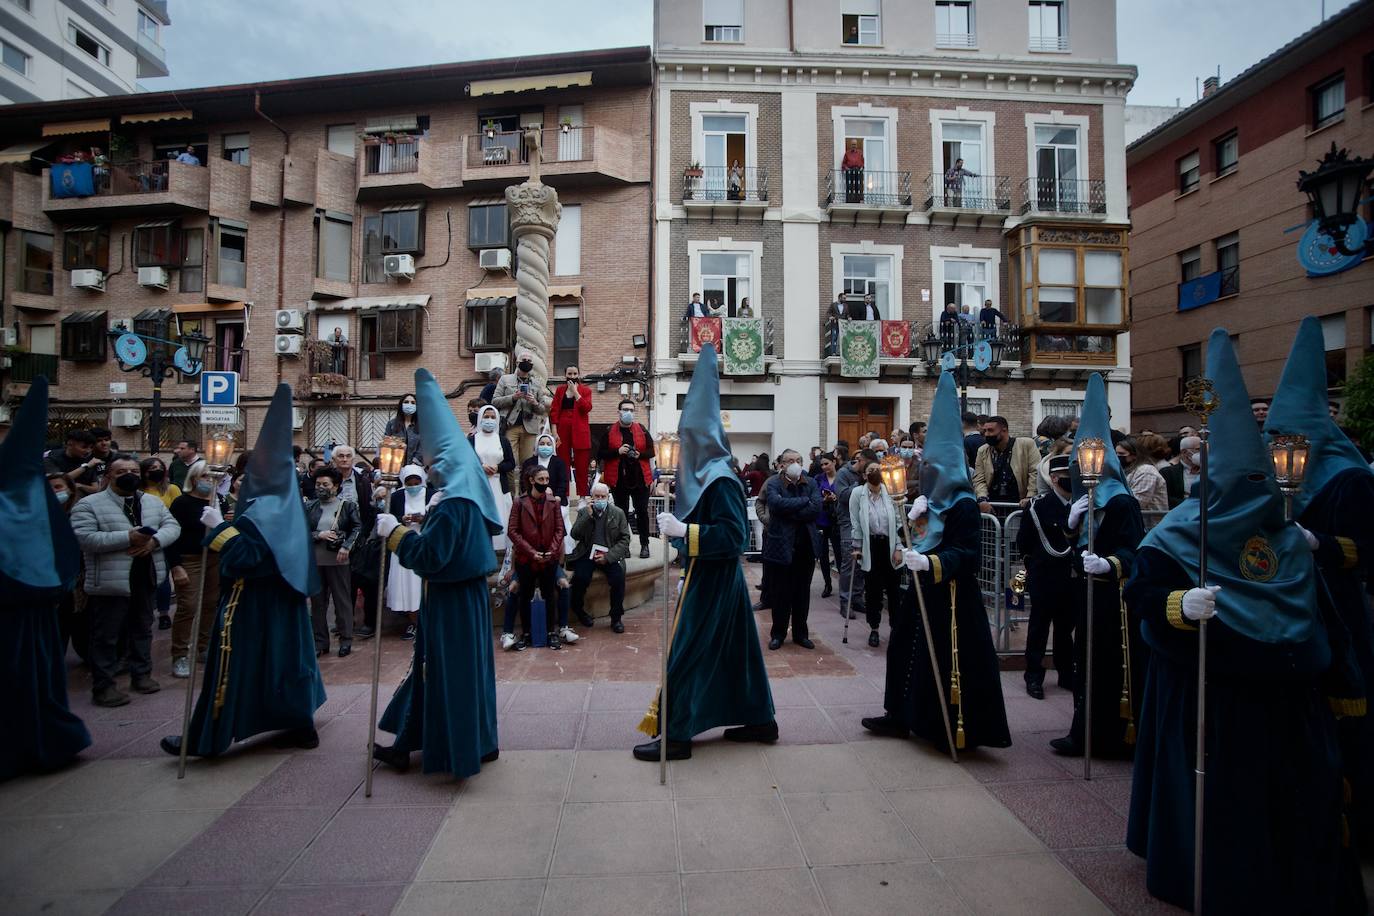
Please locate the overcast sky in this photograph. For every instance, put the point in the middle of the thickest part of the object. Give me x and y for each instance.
(1174, 42)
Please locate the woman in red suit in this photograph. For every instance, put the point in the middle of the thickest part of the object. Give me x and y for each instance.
(572, 405)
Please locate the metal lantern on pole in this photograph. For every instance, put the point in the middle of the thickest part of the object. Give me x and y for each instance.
(391, 453)
(195, 344)
(1289, 454)
(666, 449)
(1336, 190)
(219, 446)
(1092, 452)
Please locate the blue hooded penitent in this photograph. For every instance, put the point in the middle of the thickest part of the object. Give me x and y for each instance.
(270, 497)
(944, 464)
(1095, 421)
(1300, 408)
(452, 460)
(1262, 563)
(704, 453)
(39, 549)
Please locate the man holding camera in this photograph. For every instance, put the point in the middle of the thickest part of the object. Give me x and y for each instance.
(524, 403)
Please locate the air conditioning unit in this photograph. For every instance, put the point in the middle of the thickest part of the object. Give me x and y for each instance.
(91, 279)
(399, 265)
(290, 320)
(289, 344)
(126, 417)
(155, 277)
(9, 337)
(298, 418)
(489, 361)
(494, 259)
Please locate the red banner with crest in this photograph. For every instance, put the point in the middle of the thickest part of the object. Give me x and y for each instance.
(896, 339)
(705, 333)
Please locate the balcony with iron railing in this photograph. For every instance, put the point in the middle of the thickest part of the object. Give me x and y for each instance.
(326, 370)
(867, 191)
(23, 368)
(136, 187)
(980, 194)
(950, 335)
(684, 338)
(402, 166)
(1063, 197)
(712, 186)
(568, 155)
(956, 40)
(221, 359)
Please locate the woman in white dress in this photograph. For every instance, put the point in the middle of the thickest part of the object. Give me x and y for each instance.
(409, 503)
(494, 451)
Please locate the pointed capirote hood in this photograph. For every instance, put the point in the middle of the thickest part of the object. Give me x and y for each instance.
(1262, 563)
(1300, 408)
(944, 463)
(270, 497)
(38, 549)
(452, 459)
(704, 451)
(1095, 422)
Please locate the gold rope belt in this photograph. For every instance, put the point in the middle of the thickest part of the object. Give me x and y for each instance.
(955, 691)
(225, 647)
(1127, 712)
(649, 725)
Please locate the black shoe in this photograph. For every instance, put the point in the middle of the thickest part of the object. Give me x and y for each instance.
(886, 726)
(409, 634)
(587, 620)
(1035, 691)
(649, 750)
(396, 759)
(775, 644)
(617, 626)
(766, 733)
(553, 641)
(345, 649)
(873, 639)
(644, 552)
(321, 652)
(172, 745)
(306, 738)
(144, 683)
(110, 697)
(524, 642)
(1066, 747)
(803, 642)
(164, 622)
(827, 591)
(488, 758)
(762, 606)
(363, 633)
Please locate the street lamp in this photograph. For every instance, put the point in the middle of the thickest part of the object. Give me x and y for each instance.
(133, 354)
(1092, 452)
(1336, 190)
(666, 450)
(960, 341)
(1289, 454)
(391, 453)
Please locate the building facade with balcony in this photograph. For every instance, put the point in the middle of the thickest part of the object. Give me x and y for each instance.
(335, 233)
(810, 148)
(72, 49)
(1222, 235)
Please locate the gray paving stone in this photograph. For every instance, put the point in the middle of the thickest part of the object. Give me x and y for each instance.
(895, 764)
(492, 841)
(749, 893)
(629, 895)
(1032, 884)
(472, 898)
(962, 821)
(849, 828)
(521, 777)
(721, 770)
(615, 838)
(614, 776)
(888, 890)
(820, 768)
(727, 833)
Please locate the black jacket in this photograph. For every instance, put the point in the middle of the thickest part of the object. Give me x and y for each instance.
(790, 506)
(349, 522)
(558, 476)
(411, 433)
(1052, 513)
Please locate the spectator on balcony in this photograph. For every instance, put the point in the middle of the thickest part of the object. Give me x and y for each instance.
(949, 324)
(864, 309)
(406, 425)
(188, 156)
(524, 402)
(698, 309)
(1005, 468)
(569, 415)
(966, 317)
(853, 166)
(735, 182)
(954, 183)
(338, 352)
(988, 318)
(745, 310)
(497, 459)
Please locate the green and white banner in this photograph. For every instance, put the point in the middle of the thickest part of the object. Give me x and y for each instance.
(743, 346)
(859, 349)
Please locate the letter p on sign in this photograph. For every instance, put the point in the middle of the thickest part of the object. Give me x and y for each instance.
(219, 389)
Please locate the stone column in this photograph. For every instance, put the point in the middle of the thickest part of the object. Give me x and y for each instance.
(534, 214)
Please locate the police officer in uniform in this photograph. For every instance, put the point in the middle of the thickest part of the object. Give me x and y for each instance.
(1046, 544)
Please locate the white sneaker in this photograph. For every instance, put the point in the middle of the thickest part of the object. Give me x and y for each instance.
(181, 667)
(507, 641)
(567, 635)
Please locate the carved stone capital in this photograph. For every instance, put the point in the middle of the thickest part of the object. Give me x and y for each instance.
(533, 208)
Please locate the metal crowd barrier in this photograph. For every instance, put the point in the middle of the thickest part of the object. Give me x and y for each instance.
(659, 504)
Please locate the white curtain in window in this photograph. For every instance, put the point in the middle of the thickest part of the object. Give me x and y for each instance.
(1100, 268)
(1058, 267)
(567, 242)
(1333, 332)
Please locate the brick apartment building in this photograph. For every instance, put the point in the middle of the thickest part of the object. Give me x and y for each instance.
(364, 202)
(783, 88)
(1223, 237)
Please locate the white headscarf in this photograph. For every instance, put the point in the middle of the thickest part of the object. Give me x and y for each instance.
(543, 462)
(415, 505)
(488, 445)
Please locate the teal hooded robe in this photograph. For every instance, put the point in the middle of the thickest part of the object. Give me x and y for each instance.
(39, 561)
(260, 673)
(446, 706)
(716, 675)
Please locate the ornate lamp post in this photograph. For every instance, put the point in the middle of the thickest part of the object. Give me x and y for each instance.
(1288, 454)
(666, 449)
(963, 345)
(132, 354)
(1336, 190)
(391, 452)
(218, 447)
(1091, 453)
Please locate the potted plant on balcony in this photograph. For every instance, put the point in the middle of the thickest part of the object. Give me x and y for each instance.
(565, 124)
(490, 128)
(693, 170)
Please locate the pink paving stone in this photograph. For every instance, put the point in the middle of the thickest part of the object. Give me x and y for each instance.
(536, 732)
(1062, 814)
(108, 737)
(368, 846)
(337, 900)
(1115, 792)
(308, 779)
(244, 847)
(1118, 877)
(1019, 763)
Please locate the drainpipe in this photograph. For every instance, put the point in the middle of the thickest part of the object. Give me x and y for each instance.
(791, 33)
(281, 221)
(653, 221)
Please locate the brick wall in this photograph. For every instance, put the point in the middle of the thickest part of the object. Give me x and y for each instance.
(768, 143)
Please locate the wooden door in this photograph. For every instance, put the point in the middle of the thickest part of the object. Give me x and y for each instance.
(860, 415)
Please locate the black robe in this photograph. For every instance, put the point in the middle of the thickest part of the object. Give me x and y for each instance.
(910, 695)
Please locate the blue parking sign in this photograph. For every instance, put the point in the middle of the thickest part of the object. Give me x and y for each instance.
(219, 389)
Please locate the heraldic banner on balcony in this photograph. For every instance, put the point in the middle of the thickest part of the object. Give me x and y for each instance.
(859, 349)
(705, 333)
(743, 353)
(896, 339)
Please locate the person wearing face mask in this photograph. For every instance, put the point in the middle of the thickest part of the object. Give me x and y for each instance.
(625, 452)
(409, 503)
(827, 523)
(1046, 545)
(497, 460)
(122, 532)
(847, 479)
(1188, 466)
(155, 481)
(879, 447)
(406, 425)
(572, 406)
(1005, 467)
(602, 534)
(911, 459)
(334, 526)
(1142, 477)
(546, 456)
(875, 547)
(791, 544)
(536, 534)
(523, 401)
(183, 557)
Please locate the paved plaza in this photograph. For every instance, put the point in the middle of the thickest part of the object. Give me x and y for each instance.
(827, 821)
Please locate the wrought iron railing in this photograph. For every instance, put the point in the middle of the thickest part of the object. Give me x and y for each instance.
(136, 176)
(391, 156)
(867, 187)
(1063, 195)
(721, 183)
(831, 341)
(511, 147)
(685, 335)
(1049, 42)
(25, 367)
(989, 193)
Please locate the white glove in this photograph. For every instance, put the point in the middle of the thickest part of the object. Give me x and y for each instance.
(387, 523)
(1094, 565)
(916, 561)
(1312, 541)
(669, 525)
(434, 500)
(1078, 510)
(1200, 603)
(211, 517)
(918, 508)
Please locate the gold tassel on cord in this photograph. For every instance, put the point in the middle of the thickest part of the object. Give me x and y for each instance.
(225, 647)
(1126, 711)
(955, 691)
(649, 724)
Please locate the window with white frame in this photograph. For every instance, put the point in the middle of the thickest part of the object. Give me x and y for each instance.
(86, 43)
(1060, 407)
(14, 58)
(341, 139)
(1103, 288)
(1056, 167)
(149, 28)
(724, 20)
(1190, 264)
(1048, 25)
(871, 136)
(724, 145)
(1333, 341)
(725, 279)
(870, 275)
(567, 242)
(861, 22)
(965, 283)
(954, 24)
(1189, 171)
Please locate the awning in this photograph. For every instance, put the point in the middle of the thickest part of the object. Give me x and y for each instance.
(152, 314)
(156, 224)
(488, 302)
(368, 302)
(392, 124)
(573, 290)
(72, 230)
(489, 291)
(202, 307)
(529, 83)
(22, 152)
(487, 201)
(84, 317)
(393, 208)
(64, 128)
(154, 116)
